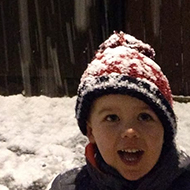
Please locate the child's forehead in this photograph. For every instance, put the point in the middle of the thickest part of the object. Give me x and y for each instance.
(119, 101)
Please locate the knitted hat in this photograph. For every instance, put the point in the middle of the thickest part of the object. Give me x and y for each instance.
(124, 65)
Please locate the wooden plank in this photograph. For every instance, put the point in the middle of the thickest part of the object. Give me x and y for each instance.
(10, 60)
(134, 18)
(148, 22)
(186, 46)
(152, 25)
(11, 32)
(3, 41)
(171, 44)
(116, 12)
(25, 50)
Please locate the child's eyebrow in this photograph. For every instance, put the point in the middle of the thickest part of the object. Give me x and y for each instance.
(106, 109)
(146, 107)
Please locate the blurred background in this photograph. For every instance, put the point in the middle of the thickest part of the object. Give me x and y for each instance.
(45, 45)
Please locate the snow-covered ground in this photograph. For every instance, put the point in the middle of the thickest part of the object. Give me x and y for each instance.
(39, 138)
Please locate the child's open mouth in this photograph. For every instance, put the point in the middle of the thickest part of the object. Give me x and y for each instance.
(131, 156)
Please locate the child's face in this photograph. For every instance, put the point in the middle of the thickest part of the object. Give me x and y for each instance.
(128, 134)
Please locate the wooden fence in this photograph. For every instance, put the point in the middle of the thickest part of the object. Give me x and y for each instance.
(45, 45)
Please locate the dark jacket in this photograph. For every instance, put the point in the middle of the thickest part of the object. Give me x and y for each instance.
(67, 181)
(90, 178)
(165, 176)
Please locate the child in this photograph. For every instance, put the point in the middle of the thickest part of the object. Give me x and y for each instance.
(124, 107)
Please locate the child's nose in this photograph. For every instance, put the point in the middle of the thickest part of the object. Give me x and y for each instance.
(130, 132)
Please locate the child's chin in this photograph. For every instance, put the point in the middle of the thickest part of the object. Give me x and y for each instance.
(133, 177)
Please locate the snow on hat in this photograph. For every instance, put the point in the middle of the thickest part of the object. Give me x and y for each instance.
(124, 65)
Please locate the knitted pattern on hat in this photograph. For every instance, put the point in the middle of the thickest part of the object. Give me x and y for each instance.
(124, 65)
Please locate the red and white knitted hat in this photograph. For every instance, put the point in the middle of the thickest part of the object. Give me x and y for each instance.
(124, 65)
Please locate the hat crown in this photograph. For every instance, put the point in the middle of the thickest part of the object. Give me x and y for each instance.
(122, 39)
(124, 54)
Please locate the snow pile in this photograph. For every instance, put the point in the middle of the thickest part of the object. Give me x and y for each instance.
(39, 138)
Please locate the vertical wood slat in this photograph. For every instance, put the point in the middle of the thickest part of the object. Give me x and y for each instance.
(185, 4)
(25, 50)
(171, 61)
(3, 41)
(151, 12)
(10, 73)
(134, 18)
(13, 37)
(153, 29)
(148, 22)
(3, 52)
(43, 73)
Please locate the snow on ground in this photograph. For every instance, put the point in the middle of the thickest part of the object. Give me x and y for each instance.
(39, 138)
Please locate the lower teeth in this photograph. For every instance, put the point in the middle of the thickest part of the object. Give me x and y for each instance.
(130, 159)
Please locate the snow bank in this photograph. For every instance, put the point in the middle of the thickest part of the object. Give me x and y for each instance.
(39, 138)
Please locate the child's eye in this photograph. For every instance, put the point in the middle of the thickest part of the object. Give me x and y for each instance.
(112, 118)
(145, 117)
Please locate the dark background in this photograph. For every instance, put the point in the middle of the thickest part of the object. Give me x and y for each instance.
(45, 45)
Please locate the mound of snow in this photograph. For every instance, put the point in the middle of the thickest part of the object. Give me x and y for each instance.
(39, 138)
